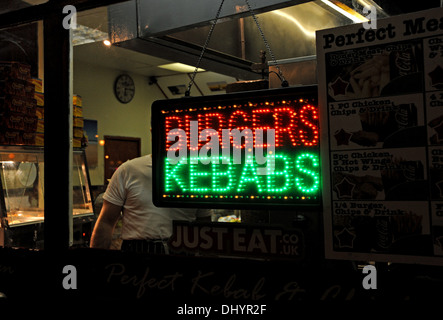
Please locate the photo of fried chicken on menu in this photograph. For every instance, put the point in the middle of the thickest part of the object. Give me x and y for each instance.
(399, 180)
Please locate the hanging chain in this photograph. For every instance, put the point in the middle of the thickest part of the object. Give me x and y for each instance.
(208, 38)
(268, 47)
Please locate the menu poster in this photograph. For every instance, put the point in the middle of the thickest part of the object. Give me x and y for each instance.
(381, 113)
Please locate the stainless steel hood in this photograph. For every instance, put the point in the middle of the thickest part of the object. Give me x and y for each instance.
(177, 50)
(177, 31)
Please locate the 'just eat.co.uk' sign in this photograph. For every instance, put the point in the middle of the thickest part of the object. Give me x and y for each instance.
(243, 150)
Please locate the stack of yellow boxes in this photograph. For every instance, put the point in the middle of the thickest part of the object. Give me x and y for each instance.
(40, 111)
(77, 117)
(77, 122)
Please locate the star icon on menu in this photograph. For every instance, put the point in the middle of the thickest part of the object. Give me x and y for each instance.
(339, 86)
(344, 188)
(342, 137)
(439, 130)
(346, 238)
(439, 185)
(436, 76)
(439, 241)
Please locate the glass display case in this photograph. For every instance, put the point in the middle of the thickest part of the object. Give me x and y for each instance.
(22, 193)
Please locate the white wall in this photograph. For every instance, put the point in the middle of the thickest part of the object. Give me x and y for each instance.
(95, 85)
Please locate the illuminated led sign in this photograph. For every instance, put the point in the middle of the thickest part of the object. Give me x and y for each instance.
(241, 150)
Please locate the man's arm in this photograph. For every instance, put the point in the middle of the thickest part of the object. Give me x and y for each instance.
(104, 227)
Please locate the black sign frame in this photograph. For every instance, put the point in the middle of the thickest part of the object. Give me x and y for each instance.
(160, 107)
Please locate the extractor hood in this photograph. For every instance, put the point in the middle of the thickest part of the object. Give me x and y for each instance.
(177, 30)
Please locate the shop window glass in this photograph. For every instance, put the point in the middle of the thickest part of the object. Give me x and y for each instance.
(22, 165)
(21, 154)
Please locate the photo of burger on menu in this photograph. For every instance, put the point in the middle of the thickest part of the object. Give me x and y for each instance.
(375, 71)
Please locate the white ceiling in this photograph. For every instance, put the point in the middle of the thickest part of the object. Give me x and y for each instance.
(128, 61)
(121, 59)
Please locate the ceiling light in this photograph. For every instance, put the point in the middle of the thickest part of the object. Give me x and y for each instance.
(180, 67)
(345, 10)
(107, 43)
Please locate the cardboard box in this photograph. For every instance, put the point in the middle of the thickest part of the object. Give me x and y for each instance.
(39, 139)
(30, 107)
(11, 102)
(78, 122)
(30, 123)
(10, 137)
(12, 121)
(40, 112)
(38, 84)
(28, 138)
(78, 133)
(77, 143)
(77, 101)
(40, 126)
(77, 111)
(40, 98)
(14, 86)
(16, 70)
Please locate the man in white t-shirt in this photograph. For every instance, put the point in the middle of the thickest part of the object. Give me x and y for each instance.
(146, 228)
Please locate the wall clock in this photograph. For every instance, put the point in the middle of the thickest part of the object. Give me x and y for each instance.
(124, 88)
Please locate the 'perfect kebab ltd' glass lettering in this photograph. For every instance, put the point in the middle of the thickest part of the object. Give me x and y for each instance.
(265, 150)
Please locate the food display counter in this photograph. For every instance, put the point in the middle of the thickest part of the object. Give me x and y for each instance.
(22, 197)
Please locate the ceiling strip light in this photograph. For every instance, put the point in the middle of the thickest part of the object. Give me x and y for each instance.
(180, 67)
(345, 10)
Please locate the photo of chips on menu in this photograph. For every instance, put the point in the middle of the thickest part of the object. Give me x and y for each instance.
(400, 231)
(398, 180)
(374, 71)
